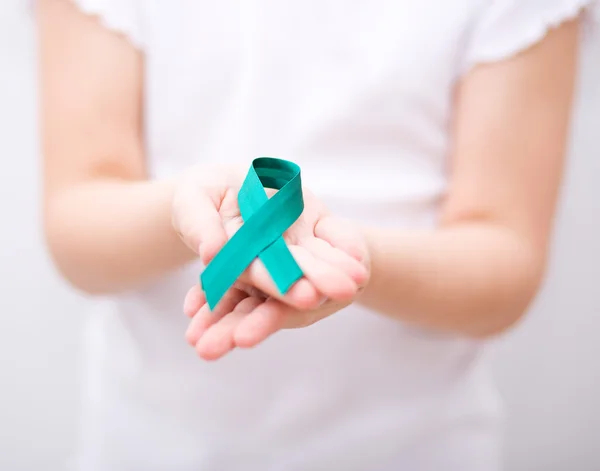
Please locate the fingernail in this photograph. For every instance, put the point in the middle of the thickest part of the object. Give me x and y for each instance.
(202, 255)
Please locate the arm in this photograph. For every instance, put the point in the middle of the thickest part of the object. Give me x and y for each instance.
(107, 227)
(479, 270)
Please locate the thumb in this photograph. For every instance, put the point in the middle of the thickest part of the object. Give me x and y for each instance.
(196, 218)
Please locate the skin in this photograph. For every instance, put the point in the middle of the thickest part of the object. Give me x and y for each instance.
(110, 228)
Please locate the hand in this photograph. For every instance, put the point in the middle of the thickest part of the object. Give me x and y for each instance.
(329, 252)
(246, 317)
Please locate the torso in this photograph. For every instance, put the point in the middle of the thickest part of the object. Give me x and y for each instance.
(359, 94)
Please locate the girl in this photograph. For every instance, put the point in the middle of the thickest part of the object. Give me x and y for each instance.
(431, 138)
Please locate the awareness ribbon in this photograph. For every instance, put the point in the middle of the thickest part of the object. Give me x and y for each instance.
(265, 221)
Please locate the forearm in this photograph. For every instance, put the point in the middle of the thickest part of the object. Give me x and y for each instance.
(475, 279)
(110, 235)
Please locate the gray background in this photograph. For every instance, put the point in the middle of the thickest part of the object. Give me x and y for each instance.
(548, 369)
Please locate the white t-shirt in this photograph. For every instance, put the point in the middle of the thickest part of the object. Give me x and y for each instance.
(359, 94)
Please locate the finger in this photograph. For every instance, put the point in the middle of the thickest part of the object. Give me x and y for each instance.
(320, 280)
(249, 289)
(302, 294)
(261, 323)
(272, 316)
(329, 280)
(194, 300)
(218, 339)
(341, 234)
(335, 257)
(297, 320)
(205, 318)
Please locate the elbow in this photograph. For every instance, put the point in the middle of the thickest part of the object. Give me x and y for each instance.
(500, 322)
(71, 270)
(65, 246)
(511, 302)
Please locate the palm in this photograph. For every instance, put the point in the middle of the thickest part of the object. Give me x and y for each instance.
(328, 255)
(330, 252)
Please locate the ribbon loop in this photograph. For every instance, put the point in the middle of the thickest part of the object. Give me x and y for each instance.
(261, 235)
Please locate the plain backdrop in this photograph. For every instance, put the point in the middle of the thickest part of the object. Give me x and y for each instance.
(548, 369)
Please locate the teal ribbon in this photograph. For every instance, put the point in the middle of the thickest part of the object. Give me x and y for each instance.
(265, 221)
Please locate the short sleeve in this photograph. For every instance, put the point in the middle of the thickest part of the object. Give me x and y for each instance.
(125, 17)
(503, 28)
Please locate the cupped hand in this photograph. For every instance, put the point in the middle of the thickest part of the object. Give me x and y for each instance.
(246, 316)
(330, 252)
(244, 320)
